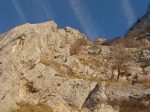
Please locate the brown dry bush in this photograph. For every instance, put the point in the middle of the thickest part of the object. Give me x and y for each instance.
(77, 46)
(31, 87)
(145, 81)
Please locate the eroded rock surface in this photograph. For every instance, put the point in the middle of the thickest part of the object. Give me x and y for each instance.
(37, 65)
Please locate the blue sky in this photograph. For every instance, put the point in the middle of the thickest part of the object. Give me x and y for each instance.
(95, 18)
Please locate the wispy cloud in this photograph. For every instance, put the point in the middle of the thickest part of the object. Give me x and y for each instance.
(19, 11)
(43, 7)
(128, 11)
(84, 18)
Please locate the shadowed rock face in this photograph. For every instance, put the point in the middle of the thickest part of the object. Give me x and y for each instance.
(141, 27)
(134, 106)
(37, 66)
(139, 34)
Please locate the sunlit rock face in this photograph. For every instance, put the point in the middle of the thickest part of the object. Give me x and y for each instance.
(61, 68)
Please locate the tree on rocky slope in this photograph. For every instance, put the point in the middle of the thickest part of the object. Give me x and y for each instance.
(118, 60)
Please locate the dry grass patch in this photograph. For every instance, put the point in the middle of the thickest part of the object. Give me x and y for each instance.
(144, 81)
(34, 108)
(52, 64)
(45, 62)
(90, 61)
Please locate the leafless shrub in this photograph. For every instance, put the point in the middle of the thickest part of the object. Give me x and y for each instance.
(31, 87)
(77, 46)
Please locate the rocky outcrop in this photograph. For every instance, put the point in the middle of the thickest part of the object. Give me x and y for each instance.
(37, 66)
(141, 27)
(119, 98)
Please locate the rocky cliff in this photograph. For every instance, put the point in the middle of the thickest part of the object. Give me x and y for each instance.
(141, 26)
(41, 64)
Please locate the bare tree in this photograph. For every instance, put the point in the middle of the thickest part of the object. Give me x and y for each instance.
(118, 60)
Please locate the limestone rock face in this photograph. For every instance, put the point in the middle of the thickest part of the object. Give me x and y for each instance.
(35, 63)
(41, 64)
(119, 98)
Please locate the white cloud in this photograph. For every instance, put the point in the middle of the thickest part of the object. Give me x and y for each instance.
(85, 19)
(128, 11)
(43, 7)
(19, 11)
